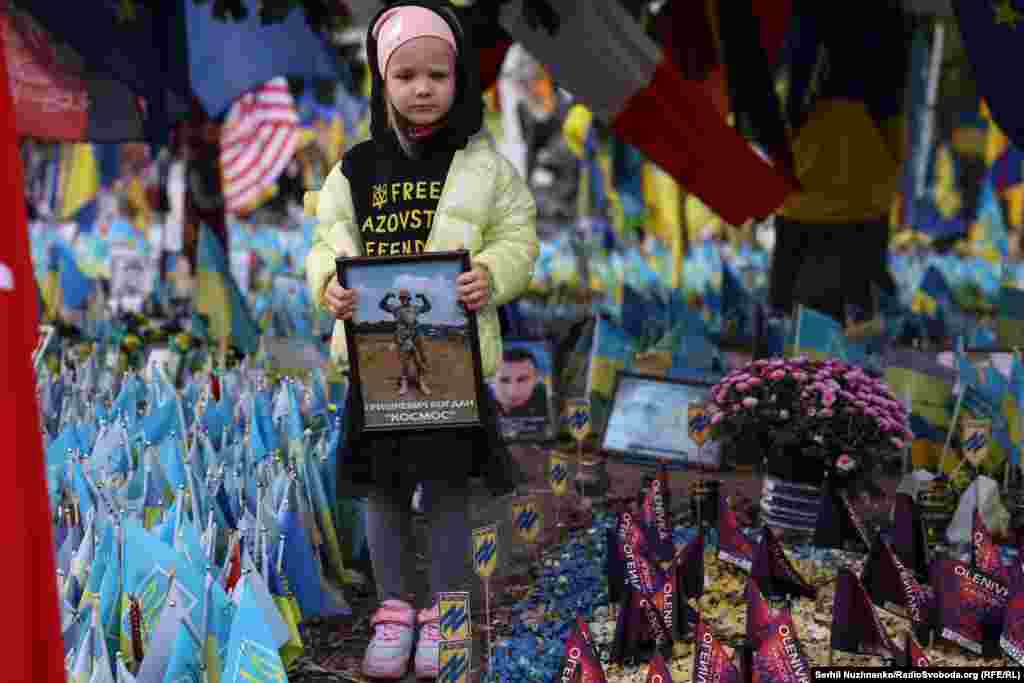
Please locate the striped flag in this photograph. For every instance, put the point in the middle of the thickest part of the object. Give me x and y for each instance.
(259, 138)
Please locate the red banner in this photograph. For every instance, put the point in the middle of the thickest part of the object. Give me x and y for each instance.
(51, 99)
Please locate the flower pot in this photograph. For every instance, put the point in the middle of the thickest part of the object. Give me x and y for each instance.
(790, 507)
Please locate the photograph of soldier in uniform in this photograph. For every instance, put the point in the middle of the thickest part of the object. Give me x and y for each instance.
(522, 390)
(412, 342)
(407, 338)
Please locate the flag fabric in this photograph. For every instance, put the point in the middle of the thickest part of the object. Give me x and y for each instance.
(733, 545)
(710, 660)
(837, 521)
(908, 535)
(259, 138)
(34, 653)
(760, 614)
(253, 654)
(855, 625)
(581, 662)
(927, 388)
(985, 555)
(913, 655)
(56, 98)
(654, 517)
(1012, 638)
(218, 296)
(780, 657)
(893, 587)
(970, 606)
(991, 30)
(688, 566)
(773, 571)
(646, 99)
(818, 335)
(657, 670)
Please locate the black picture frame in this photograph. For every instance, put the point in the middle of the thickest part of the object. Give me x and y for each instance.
(529, 427)
(456, 402)
(653, 453)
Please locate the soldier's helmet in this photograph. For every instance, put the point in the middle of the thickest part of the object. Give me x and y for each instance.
(403, 295)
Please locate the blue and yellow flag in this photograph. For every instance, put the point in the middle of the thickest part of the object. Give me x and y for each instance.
(454, 661)
(252, 654)
(485, 550)
(818, 336)
(526, 519)
(455, 616)
(558, 474)
(219, 298)
(992, 31)
(926, 387)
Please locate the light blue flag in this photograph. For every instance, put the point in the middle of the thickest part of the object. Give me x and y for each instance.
(172, 460)
(252, 581)
(185, 663)
(253, 652)
(84, 656)
(110, 593)
(159, 424)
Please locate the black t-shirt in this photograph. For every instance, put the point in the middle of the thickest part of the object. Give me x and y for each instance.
(395, 197)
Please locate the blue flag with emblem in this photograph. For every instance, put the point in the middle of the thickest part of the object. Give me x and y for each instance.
(253, 651)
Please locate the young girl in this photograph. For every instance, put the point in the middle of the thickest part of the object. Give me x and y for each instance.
(427, 180)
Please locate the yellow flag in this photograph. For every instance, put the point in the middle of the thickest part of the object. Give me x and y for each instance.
(558, 474)
(485, 550)
(577, 417)
(455, 616)
(454, 660)
(976, 435)
(526, 519)
(81, 177)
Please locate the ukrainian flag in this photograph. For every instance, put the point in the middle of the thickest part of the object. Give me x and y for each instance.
(219, 298)
(988, 395)
(818, 336)
(918, 379)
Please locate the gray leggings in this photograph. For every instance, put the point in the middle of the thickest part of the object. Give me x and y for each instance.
(391, 539)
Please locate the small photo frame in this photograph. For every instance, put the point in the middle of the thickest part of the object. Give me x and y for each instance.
(413, 349)
(649, 422)
(523, 391)
(162, 357)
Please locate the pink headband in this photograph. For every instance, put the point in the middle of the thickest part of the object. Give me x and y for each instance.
(398, 26)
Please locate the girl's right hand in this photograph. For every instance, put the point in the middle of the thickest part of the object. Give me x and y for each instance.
(340, 302)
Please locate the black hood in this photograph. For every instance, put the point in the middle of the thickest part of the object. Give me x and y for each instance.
(467, 114)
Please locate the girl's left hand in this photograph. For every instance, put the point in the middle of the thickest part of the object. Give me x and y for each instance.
(474, 288)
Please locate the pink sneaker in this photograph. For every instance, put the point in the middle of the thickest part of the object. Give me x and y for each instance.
(427, 647)
(387, 656)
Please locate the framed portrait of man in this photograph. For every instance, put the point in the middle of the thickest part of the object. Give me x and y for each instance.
(413, 348)
(523, 391)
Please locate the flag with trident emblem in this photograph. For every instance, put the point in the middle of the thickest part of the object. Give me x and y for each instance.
(454, 609)
(485, 550)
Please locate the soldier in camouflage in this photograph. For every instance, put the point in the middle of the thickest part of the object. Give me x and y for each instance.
(407, 338)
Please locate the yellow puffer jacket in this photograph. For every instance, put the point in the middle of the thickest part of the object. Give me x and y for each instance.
(485, 207)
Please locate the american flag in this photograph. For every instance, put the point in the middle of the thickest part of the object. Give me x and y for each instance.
(258, 140)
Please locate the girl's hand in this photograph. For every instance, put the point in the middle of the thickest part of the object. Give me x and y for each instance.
(340, 302)
(474, 288)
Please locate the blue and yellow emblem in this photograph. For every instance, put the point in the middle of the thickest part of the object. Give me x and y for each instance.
(698, 423)
(558, 474)
(453, 661)
(577, 417)
(975, 437)
(526, 520)
(485, 550)
(455, 615)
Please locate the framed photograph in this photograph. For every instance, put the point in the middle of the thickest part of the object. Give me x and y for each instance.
(164, 358)
(413, 348)
(523, 391)
(656, 419)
